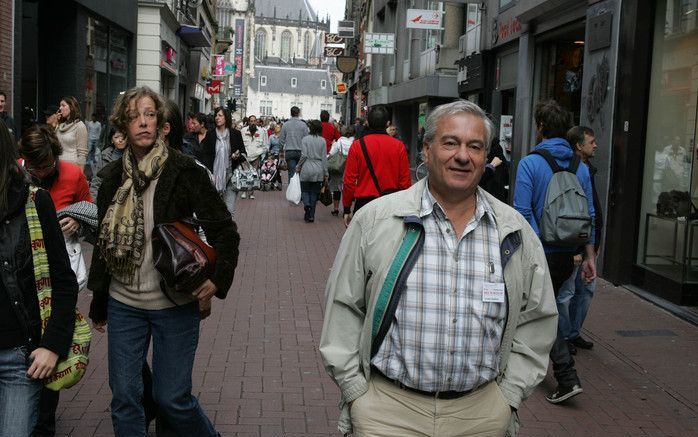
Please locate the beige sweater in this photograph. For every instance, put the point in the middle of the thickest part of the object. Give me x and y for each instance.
(145, 292)
(73, 139)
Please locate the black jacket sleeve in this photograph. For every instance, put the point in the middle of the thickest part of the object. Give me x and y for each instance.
(59, 331)
(220, 229)
(236, 144)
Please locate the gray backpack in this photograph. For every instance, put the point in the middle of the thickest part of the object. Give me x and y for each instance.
(565, 220)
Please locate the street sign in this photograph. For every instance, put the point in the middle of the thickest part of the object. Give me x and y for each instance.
(333, 38)
(214, 87)
(333, 52)
(341, 88)
(379, 43)
(345, 28)
(423, 19)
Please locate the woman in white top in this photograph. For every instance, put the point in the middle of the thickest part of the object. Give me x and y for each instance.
(341, 146)
(72, 132)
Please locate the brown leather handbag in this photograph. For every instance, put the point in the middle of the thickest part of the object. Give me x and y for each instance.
(182, 258)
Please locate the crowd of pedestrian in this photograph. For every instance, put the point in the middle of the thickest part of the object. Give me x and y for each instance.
(442, 297)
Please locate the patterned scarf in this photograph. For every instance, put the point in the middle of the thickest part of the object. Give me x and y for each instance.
(121, 238)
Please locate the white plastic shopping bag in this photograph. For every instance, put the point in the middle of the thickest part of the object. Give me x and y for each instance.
(293, 192)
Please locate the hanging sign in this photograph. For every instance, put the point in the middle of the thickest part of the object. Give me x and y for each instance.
(333, 38)
(423, 19)
(341, 88)
(333, 52)
(219, 65)
(379, 43)
(214, 87)
(345, 28)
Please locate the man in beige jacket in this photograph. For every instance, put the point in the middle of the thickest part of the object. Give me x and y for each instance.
(440, 311)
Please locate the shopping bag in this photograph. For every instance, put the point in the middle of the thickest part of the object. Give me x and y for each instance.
(293, 192)
(245, 178)
(77, 261)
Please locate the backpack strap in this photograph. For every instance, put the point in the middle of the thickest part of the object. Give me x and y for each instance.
(369, 164)
(574, 164)
(572, 168)
(548, 158)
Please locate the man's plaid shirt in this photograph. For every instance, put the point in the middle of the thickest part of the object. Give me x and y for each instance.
(443, 336)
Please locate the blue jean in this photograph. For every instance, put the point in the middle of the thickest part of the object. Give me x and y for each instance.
(175, 333)
(93, 152)
(309, 195)
(19, 394)
(573, 303)
(292, 157)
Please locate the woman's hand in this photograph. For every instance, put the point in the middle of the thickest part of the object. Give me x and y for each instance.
(69, 225)
(204, 308)
(43, 363)
(99, 326)
(205, 290)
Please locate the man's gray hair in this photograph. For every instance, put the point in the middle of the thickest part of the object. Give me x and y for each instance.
(455, 108)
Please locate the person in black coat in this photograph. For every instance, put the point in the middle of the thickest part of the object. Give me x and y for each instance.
(222, 153)
(495, 179)
(29, 355)
(153, 184)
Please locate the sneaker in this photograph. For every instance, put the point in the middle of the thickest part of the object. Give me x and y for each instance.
(251, 196)
(581, 343)
(563, 393)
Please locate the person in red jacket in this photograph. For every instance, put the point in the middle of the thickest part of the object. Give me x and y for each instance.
(66, 184)
(387, 158)
(329, 131)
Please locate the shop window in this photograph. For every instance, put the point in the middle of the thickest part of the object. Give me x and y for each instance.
(668, 226)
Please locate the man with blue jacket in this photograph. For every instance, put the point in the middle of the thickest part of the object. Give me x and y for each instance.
(532, 178)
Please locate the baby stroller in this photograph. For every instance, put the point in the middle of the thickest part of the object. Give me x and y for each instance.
(270, 176)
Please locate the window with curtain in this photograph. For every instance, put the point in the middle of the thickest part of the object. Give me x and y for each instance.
(260, 44)
(286, 46)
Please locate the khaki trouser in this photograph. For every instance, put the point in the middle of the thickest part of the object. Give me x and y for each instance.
(386, 410)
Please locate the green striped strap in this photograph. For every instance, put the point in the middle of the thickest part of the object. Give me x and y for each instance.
(383, 299)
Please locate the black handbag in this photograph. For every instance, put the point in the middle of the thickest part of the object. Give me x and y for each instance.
(325, 196)
(180, 256)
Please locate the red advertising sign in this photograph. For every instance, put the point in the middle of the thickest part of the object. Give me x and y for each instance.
(214, 87)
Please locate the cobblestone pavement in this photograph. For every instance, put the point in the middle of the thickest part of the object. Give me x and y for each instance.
(258, 372)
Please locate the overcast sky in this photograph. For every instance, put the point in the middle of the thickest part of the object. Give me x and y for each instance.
(333, 7)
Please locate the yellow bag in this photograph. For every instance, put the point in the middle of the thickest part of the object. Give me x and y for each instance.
(70, 370)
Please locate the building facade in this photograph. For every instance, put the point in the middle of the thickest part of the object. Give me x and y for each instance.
(237, 18)
(290, 69)
(418, 74)
(81, 48)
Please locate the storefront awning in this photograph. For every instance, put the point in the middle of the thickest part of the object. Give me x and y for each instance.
(194, 36)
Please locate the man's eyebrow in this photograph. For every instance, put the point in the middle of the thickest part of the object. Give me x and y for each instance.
(456, 138)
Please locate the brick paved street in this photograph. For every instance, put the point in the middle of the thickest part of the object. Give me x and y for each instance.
(258, 372)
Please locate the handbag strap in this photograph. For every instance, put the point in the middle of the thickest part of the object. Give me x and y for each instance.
(370, 165)
(42, 276)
